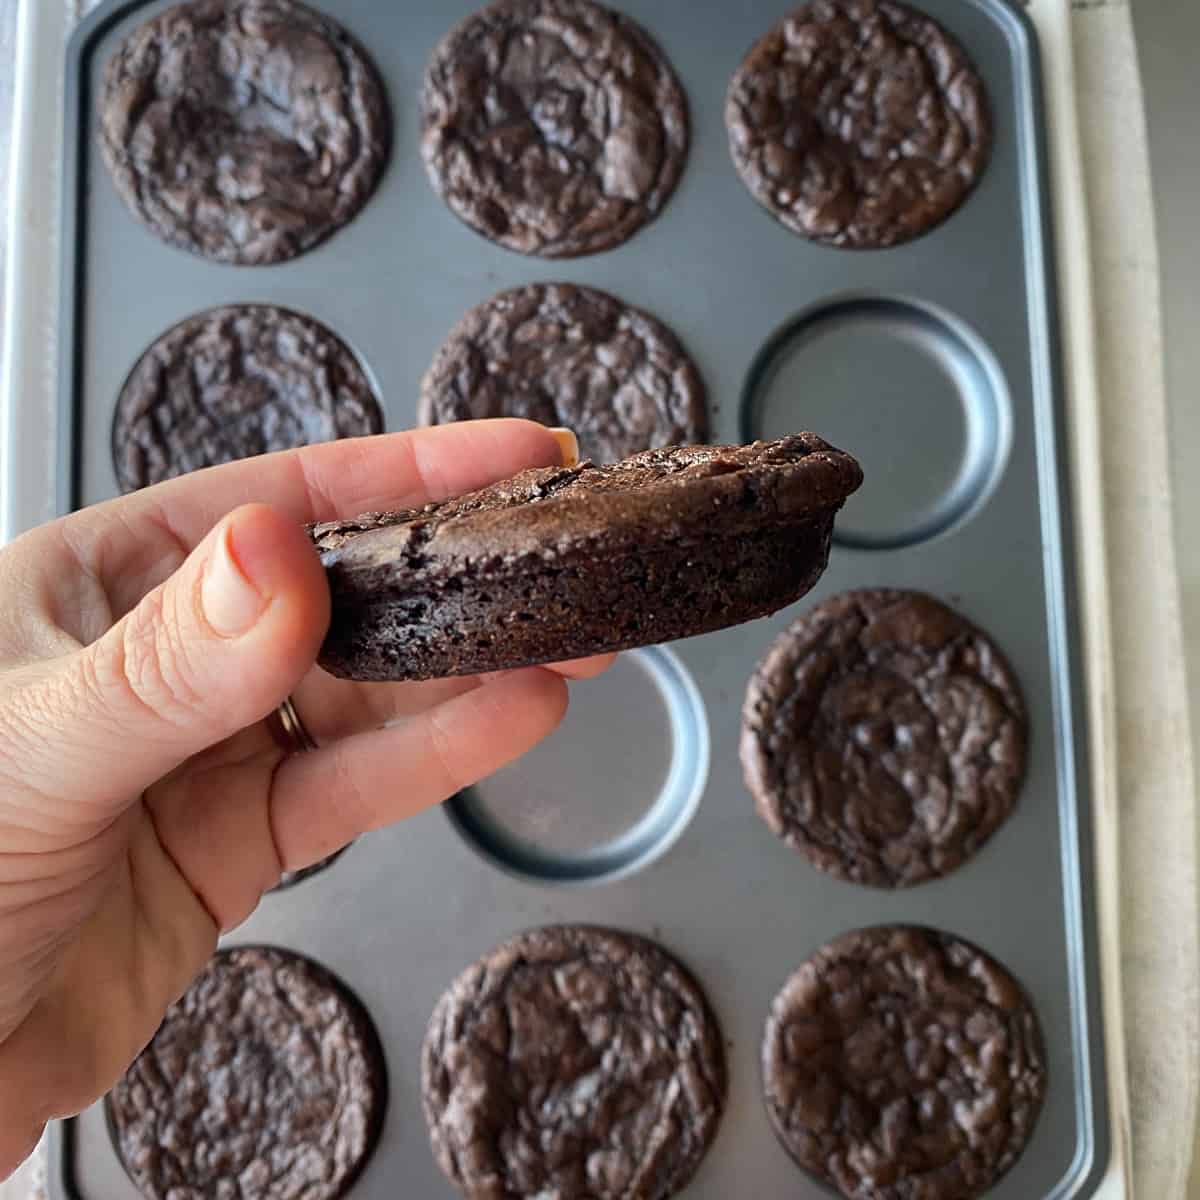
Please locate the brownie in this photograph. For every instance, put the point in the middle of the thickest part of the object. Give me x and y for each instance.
(883, 737)
(902, 1063)
(234, 382)
(266, 1079)
(290, 879)
(573, 1061)
(553, 127)
(858, 123)
(245, 131)
(561, 562)
(570, 356)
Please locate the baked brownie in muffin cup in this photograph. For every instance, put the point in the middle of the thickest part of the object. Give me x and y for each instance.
(563, 562)
(234, 382)
(245, 131)
(883, 737)
(573, 1061)
(574, 356)
(552, 127)
(901, 1062)
(265, 1079)
(858, 123)
(289, 879)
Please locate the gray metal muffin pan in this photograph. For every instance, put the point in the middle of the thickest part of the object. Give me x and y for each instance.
(936, 363)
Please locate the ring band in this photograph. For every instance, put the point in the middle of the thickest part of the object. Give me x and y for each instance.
(288, 730)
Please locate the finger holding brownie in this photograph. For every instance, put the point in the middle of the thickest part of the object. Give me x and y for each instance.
(146, 802)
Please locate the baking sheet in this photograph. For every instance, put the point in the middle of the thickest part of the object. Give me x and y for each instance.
(735, 904)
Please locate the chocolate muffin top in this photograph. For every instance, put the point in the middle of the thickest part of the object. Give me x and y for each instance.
(245, 131)
(573, 1061)
(234, 382)
(669, 492)
(264, 1081)
(901, 1062)
(553, 127)
(573, 356)
(883, 737)
(858, 123)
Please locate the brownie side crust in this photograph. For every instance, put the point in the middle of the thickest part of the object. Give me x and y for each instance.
(561, 562)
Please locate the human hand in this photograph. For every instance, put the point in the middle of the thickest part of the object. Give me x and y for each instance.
(144, 806)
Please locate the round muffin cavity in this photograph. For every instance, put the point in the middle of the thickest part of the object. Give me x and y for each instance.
(883, 737)
(265, 1080)
(234, 382)
(553, 127)
(901, 1062)
(858, 123)
(572, 356)
(245, 131)
(573, 1061)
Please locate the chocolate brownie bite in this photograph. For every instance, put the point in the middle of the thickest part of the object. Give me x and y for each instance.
(289, 879)
(562, 562)
(858, 123)
(571, 356)
(901, 1062)
(235, 382)
(245, 131)
(573, 1061)
(883, 737)
(552, 127)
(265, 1079)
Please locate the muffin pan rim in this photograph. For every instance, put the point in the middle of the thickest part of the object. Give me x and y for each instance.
(975, 376)
(664, 821)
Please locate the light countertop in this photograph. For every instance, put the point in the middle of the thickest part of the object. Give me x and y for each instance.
(1168, 33)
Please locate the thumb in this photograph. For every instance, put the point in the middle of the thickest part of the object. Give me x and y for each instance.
(213, 649)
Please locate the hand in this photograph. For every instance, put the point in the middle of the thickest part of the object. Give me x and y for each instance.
(144, 807)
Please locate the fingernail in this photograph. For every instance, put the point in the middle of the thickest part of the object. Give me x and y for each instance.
(568, 445)
(231, 603)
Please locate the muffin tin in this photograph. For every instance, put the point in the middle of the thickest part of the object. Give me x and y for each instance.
(935, 362)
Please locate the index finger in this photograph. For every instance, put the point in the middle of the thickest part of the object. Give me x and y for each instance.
(133, 543)
(335, 480)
